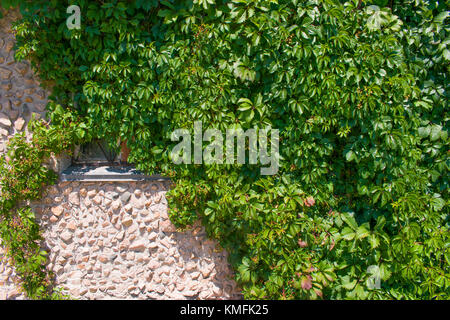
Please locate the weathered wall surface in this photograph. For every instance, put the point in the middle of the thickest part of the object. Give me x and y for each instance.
(20, 98)
(106, 240)
(111, 240)
(115, 240)
(20, 93)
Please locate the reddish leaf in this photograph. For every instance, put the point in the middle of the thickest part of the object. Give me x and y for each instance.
(318, 292)
(302, 243)
(306, 283)
(309, 202)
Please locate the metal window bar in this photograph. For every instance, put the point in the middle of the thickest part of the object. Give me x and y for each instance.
(96, 152)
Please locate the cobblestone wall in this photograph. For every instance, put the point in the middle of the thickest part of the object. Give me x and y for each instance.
(115, 240)
(20, 93)
(20, 97)
(106, 240)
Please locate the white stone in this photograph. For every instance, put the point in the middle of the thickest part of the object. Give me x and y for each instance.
(19, 124)
(66, 236)
(74, 198)
(138, 246)
(120, 235)
(4, 132)
(152, 236)
(4, 120)
(57, 211)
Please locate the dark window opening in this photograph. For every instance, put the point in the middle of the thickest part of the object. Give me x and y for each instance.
(98, 152)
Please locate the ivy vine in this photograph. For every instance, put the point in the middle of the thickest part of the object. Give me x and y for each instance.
(24, 173)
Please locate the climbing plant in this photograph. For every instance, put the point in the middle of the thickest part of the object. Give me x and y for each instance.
(24, 172)
(358, 90)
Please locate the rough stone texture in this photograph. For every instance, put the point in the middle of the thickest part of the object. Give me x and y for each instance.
(95, 255)
(9, 285)
(21, 96)
(106, 240)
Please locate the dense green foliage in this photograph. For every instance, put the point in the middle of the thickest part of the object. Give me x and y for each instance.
(358, 93)
(23, 176)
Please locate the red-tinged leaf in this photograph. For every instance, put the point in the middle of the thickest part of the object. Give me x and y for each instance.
(309, 202)
(306, 283)
(318, 292)
(332, 244)
(311, 269)
(302, 243)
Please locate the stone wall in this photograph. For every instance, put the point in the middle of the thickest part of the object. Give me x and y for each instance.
(20, 93)
(112, 240)
(106, 240)
(20, 97)
(115, 240)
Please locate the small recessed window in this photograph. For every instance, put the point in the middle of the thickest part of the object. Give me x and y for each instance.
(97, 162)
(98, 152)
